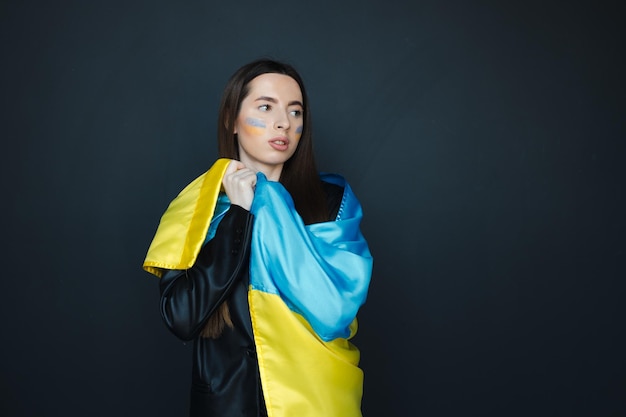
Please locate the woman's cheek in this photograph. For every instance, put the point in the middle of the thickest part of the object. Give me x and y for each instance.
(254, 127)
(298, 132)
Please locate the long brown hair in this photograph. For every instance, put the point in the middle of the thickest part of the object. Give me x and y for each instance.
(299, 174)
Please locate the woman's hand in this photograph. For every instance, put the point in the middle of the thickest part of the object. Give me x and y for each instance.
(239, 182)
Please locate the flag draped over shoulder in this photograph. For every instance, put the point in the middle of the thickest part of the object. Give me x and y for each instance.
(306, 286)
(307, 283)
(184, 225)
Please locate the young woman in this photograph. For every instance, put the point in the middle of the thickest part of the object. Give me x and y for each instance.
(262, 262)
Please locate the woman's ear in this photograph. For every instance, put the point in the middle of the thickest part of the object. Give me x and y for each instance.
(226, 123)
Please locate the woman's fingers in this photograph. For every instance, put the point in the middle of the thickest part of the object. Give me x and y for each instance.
(239, 183)
(233, 166)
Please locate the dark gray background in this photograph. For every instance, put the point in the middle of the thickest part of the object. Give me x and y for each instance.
(484, 139)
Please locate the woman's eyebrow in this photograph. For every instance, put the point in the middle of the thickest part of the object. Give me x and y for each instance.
(266, 98)
(273, 100)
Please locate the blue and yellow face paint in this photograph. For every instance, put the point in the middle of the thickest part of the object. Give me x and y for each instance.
(257, 127)
(254, 127)
(299, 132)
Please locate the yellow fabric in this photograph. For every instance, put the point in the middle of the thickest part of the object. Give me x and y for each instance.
(185, 223)
(301, 374)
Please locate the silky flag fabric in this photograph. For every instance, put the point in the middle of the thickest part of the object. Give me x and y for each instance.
(306, 286)
(184, 225)
(321, 271)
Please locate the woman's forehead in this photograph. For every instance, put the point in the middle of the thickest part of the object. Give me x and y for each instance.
(279, 86)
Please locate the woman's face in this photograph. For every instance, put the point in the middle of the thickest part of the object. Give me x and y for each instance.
(269, 123)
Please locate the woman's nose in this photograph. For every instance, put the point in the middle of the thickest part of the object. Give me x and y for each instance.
(282, 121)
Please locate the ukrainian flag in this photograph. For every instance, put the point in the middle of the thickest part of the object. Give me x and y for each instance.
(307, 283)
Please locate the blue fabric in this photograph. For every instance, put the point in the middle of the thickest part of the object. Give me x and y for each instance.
(321, 271)
(221, 207)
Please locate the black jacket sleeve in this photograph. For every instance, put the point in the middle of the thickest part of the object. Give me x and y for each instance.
(189, 297)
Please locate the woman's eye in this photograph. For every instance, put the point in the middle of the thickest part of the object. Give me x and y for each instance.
(296, 113)
(265, 107)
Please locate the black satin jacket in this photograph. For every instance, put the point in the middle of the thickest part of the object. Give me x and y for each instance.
(225, 376)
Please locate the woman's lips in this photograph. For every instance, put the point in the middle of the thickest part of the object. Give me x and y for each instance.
(279, 143)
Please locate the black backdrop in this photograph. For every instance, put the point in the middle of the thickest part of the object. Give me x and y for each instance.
(484, 139)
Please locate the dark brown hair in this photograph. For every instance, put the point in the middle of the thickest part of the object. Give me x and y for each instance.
(299, 174)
